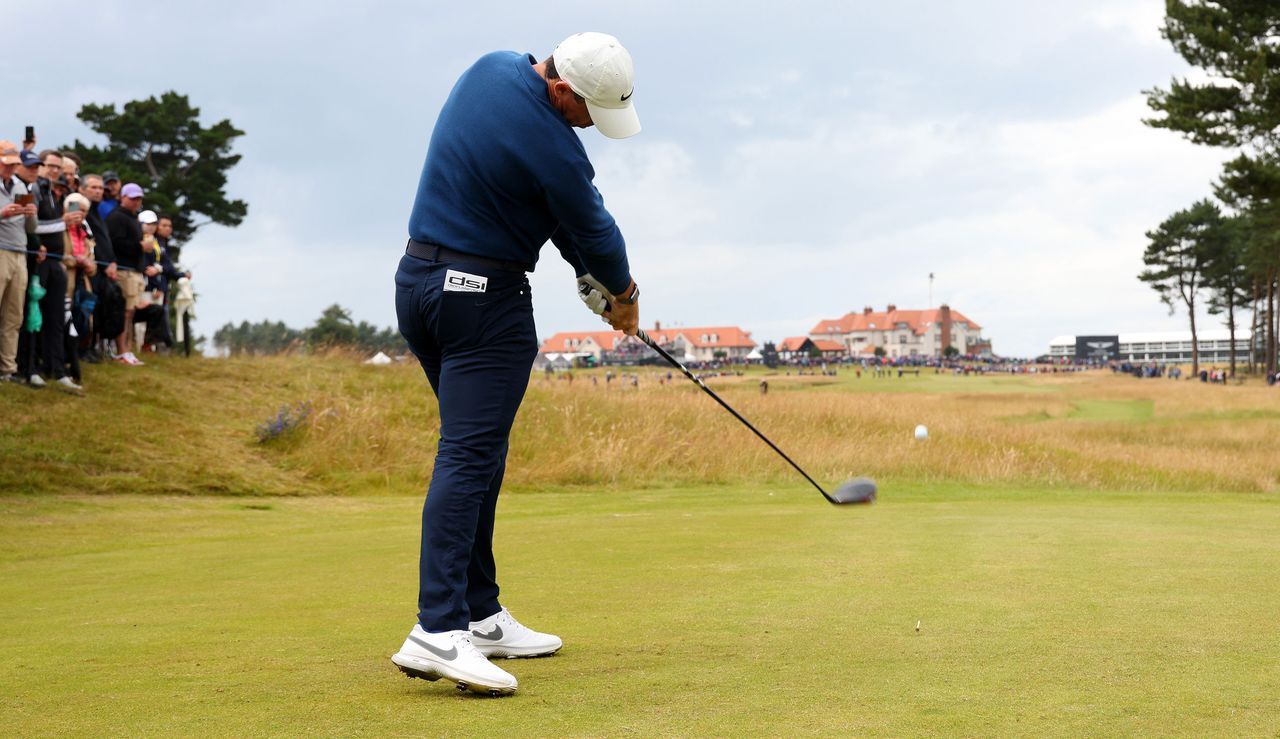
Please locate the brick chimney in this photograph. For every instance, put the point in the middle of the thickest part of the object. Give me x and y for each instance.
(944, 317)
(892, 307)
(657, 325)
(867, 311)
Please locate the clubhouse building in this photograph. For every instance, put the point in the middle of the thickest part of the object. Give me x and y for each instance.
(903, 333)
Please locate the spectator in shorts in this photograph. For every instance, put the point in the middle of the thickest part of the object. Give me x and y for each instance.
(47, 349)
(17, 220)
(126, 239)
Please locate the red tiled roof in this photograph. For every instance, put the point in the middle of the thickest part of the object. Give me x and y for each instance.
(792, 343)
(560, 342)
(726, 336)
(828, 346)
(917, 320)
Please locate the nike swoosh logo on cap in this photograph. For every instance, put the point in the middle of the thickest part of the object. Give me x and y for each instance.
(451, 653)
(494, 635)
(624, 97)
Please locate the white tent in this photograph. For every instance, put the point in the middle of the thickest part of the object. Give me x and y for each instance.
(378, 359)
(755, 354)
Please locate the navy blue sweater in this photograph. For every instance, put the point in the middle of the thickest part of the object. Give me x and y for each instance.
(505, 172)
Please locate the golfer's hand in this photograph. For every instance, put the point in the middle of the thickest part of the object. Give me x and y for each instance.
(623, 317)
(593, 294)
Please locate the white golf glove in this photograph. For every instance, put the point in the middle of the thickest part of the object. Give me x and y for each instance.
(593, 294)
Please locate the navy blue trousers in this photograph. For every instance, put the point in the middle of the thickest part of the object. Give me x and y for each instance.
(477, 349)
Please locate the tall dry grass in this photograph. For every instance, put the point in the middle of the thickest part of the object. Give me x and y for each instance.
(1093, 431)
(188, 426)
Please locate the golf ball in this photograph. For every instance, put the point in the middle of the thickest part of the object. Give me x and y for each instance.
(922, 433)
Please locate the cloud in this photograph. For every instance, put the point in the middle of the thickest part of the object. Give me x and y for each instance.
(794, 165)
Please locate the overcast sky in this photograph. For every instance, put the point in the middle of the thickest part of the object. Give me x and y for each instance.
(798, 160)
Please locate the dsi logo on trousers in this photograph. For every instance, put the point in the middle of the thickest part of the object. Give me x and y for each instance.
(462, 282)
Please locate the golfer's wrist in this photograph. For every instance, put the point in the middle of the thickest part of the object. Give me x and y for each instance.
(630, 295)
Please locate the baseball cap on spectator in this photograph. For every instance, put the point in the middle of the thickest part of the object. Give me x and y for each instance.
(110, 176)
(131, 190)
(597, 68)
(30, 158)
(9, 153)
(146, 216)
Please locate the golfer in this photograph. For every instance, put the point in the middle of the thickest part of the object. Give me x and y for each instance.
(504, 173)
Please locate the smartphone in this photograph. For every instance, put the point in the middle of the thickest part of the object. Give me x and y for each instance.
(73, 206)
(27, 199)
(31, 135)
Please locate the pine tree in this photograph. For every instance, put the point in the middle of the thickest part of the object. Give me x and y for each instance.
(1176, 257)
(161, 144)
(1235, 43)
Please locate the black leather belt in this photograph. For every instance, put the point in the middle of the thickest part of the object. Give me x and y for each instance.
(437, 253)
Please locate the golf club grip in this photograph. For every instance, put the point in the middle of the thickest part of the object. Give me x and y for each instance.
(640, 334)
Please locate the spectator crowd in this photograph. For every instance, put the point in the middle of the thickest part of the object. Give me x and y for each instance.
(86, 273)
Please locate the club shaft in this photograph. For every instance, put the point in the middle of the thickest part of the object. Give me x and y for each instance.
(685, 370)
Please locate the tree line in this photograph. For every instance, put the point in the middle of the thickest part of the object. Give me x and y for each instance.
(334, 328)
(1224, 252)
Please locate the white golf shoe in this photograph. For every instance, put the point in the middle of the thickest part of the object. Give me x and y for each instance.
(501, 635)
(451, 655)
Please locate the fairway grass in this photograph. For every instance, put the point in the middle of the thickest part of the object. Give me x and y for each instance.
(727, 611)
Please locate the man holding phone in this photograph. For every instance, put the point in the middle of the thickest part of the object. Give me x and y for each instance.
(17, 219)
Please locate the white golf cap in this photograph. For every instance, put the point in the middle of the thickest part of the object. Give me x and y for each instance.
(147, 216)
(599, 69)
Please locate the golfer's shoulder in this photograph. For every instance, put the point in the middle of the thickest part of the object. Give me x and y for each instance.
(496, 66)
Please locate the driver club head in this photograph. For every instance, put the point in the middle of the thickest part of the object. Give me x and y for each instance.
(857, 490)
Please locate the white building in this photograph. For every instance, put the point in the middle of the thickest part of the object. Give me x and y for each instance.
(1167, 347)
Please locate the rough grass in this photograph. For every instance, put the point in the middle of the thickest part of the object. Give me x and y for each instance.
(725, 611)
(187, 426)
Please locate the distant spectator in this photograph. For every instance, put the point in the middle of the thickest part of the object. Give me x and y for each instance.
(164, 234)
(126, 239)
(111, 194)
(61, 188)
(17, 219)
(78, 258)
(71, 170)
(92, 188)
(158, 271)
(48, 206)
(45, 351)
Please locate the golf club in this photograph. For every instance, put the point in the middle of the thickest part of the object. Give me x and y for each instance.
(857, 490)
